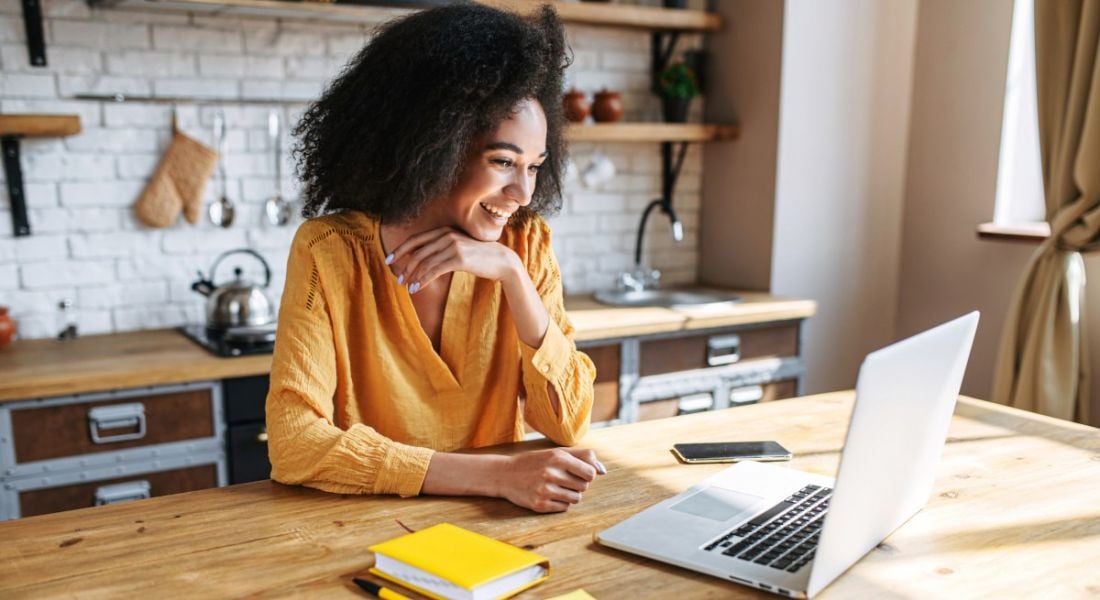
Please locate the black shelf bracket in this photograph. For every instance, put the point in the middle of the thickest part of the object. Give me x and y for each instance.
(36, 40)
(662, 47)
(21, 227)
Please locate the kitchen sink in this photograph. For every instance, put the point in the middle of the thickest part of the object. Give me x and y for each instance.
(666, 298)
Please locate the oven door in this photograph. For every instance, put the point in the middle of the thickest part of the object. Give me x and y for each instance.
(248, 453)
(247, 432)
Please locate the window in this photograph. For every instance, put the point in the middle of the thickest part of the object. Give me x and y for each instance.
(1019, 199)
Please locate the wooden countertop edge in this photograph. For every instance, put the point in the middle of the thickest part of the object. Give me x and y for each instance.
(61, 384)
(164, 357)
(653, 321)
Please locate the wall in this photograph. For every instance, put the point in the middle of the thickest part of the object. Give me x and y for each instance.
(739, 176)
(87, 247)
(840, 183)
(959, 76)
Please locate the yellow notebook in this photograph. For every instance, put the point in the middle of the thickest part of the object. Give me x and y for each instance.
(450, 563)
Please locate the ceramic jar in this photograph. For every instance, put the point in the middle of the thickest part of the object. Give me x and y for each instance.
(608, 107)
(575, 106)
(7, 328)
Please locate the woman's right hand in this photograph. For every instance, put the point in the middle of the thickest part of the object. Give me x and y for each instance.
(549, 480)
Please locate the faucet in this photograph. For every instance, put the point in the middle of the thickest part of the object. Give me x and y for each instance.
(642, 278)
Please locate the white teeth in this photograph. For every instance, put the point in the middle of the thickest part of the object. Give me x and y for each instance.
(496, 213)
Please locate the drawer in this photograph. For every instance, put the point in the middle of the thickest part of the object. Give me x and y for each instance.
(670, 355)
(607, 359)
(671, 407)
(780, 390)
(605, 404)
(658, 409)
(110, 422)
(134, 487)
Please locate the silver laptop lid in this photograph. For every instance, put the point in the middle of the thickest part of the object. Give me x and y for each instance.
(905, 396)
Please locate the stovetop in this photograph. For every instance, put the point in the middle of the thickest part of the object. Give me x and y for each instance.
(217, 343)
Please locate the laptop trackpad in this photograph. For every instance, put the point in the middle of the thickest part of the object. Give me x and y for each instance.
(715, 503)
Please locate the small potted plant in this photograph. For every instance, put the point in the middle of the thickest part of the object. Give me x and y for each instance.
(676, 85)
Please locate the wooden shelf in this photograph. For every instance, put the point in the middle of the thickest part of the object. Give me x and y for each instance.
(39, 125)
(1033, 233)
(639, 17)
(650, 132)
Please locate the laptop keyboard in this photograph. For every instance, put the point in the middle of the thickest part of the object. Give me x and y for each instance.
(783, 537)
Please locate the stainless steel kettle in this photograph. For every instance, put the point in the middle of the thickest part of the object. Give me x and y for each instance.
(239, 302)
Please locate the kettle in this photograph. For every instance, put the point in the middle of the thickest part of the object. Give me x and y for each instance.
(239, 302)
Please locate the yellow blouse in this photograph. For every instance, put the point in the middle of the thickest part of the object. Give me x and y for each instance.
(359, 398)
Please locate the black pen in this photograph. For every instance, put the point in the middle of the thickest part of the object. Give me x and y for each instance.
(376, 590)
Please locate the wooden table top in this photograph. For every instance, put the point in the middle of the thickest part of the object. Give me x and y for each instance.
(95, 363)
(1013, 513)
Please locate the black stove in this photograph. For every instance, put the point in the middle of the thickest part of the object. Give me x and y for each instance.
(237, 341)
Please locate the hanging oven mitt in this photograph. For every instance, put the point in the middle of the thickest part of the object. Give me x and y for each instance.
(178, 182)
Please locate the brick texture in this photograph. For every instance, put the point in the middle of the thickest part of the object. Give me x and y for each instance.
(86, 244)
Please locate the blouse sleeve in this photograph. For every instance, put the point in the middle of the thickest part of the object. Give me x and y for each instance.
(556, 363)
(304, 444)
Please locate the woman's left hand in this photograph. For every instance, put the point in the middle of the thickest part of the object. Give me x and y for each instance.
(426, 256)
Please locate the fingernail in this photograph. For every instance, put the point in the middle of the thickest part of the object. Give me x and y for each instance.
(414, 287)
(602, 469)
(389, 258)
(400, 279)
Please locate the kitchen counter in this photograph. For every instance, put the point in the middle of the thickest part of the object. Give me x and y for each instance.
(595, 321)
(94, 363)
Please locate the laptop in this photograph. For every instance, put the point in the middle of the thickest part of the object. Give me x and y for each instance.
(792, 533)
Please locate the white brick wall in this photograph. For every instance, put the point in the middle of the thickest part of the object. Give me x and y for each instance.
(86, 245)
(99, 35)
(18, 85)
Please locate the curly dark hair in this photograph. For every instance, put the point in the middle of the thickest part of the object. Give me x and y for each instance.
(393, 131)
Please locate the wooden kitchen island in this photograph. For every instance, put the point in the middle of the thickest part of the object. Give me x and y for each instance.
(1013, 514)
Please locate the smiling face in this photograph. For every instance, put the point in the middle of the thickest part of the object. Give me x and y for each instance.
(499, 176)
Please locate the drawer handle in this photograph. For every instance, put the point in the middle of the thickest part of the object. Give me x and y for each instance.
(122, 492)
(695, 403)
(117, 416)
(261, 438)
(747, 395)
(723, 350)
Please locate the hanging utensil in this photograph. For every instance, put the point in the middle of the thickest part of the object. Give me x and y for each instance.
(277, 209)
(221, 212)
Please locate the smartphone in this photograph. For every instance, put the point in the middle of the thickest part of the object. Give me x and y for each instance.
(716, 452)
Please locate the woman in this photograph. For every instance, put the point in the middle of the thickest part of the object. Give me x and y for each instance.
(423, 311)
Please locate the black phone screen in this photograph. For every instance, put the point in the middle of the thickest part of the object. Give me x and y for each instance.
(731, 451)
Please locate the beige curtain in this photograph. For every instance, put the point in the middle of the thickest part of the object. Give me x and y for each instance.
(1043, 365)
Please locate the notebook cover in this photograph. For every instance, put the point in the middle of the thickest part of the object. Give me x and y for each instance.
(462, 557)
(431, 594)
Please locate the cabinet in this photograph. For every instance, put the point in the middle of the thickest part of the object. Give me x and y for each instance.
(246, 434)
(670, 374)
(93, 449)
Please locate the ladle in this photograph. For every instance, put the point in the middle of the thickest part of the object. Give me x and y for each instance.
(276, 208)
(221, 212)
